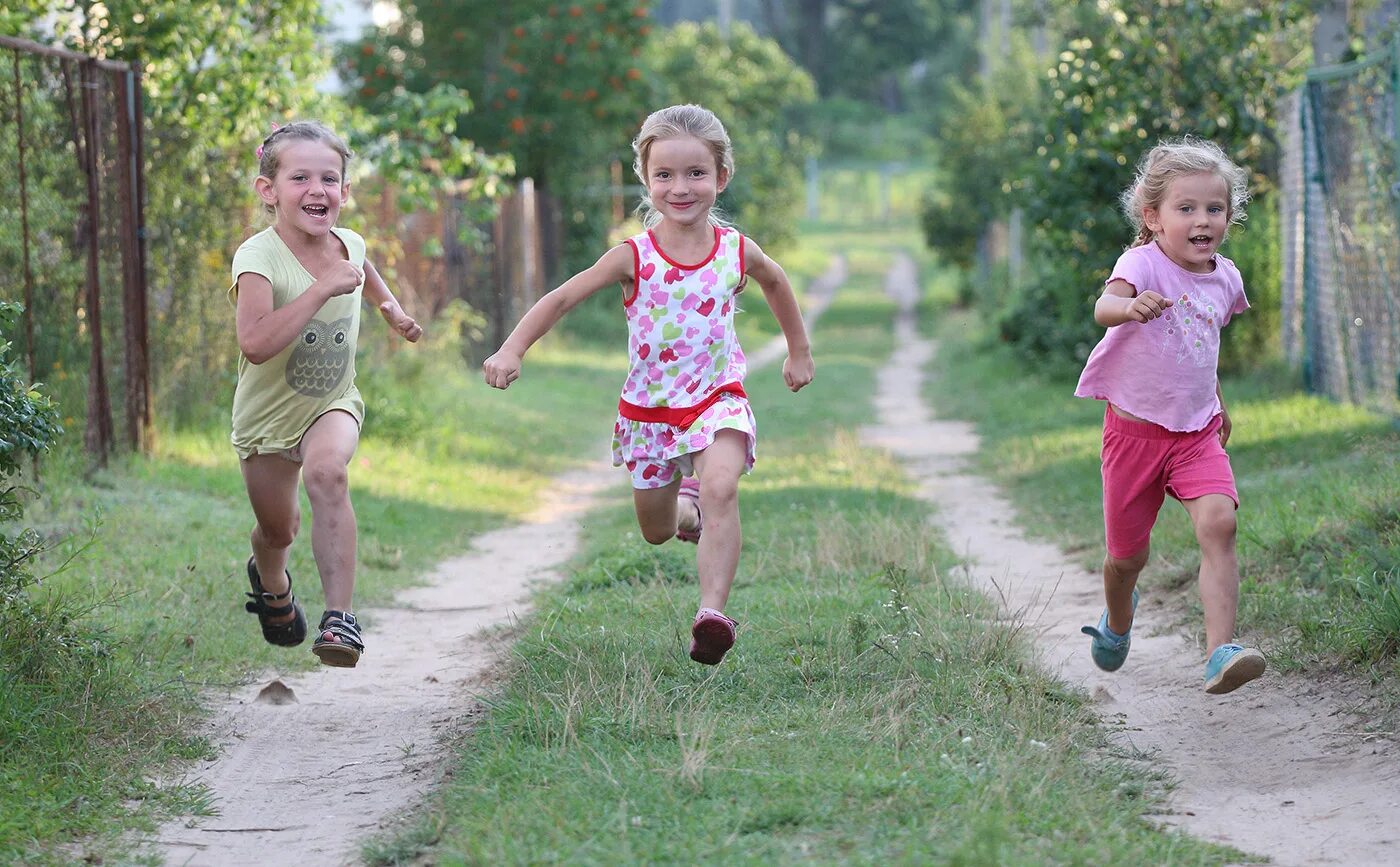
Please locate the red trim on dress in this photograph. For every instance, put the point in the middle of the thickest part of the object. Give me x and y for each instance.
(636, 273)
(662, 253)
(680, 417)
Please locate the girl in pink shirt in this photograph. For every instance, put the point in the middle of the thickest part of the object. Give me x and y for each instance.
(684, 428)
(1165, 425)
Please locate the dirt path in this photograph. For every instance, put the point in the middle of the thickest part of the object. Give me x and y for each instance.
(1276, 769)
(311, 765)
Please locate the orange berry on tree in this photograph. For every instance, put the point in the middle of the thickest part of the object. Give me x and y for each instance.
(511, 93)
(518, 124)
(519, 32)
(571, 39)
(590, 94)
(575, 11)
(634, 73)
(559, 59)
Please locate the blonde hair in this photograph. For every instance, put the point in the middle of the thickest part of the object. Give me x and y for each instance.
(673, 122)
(1174, 158)
(269, 152)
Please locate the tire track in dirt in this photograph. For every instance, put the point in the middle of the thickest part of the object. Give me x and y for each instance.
(1276, 769)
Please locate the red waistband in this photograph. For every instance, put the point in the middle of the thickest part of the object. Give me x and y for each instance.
(678, 416)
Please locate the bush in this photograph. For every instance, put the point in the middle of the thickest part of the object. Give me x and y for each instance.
(28, 426)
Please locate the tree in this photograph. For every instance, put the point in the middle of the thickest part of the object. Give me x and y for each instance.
(752, 86)
(864, 48)
(557, 86)
(1121, 82)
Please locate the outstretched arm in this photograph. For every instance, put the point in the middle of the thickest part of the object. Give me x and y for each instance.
(799, 368)
(1120, 303)
(612, 268)
(377, 293)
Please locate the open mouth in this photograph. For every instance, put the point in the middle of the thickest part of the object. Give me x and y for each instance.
(1200, 240)
(317, 211)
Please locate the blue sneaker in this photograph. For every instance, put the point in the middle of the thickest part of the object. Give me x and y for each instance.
(1109, 649)
(1231, 666)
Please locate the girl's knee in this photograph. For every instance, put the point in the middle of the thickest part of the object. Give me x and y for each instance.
(279, 537)
(1125, 566)
(657, 535)
(1216, 528)
(718, 493)
(326, 479)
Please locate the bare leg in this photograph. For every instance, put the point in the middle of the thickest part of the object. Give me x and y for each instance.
(271, 482)
(1120, 576)
(719, 467)
(1213, 517)
(657, 512)
(326, 449)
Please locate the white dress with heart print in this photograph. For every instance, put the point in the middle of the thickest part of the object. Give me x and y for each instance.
(682, 348)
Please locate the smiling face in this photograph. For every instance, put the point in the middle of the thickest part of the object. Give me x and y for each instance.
(1192, 219)
(683, 179)
(309, 188)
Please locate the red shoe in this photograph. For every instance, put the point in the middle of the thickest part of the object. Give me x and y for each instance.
(690, 490)
(713, 635)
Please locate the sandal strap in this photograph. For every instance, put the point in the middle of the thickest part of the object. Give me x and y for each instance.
(259, 604)
(344, 626)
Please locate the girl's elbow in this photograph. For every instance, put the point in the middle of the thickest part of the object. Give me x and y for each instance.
(254, 354)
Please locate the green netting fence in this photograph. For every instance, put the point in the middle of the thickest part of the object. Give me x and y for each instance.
(1349, 315)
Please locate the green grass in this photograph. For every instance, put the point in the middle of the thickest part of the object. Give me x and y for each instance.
(871, 712)
(1319, 522)
(103, 691)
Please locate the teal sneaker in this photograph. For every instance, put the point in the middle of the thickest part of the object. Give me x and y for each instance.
(1231, 666)
(1109, 649)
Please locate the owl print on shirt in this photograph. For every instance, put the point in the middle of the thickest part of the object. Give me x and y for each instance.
(320, 357)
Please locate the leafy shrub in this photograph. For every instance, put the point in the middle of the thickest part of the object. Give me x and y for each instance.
(28, 426)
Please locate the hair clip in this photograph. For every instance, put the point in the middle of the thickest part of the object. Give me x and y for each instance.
(275, 127)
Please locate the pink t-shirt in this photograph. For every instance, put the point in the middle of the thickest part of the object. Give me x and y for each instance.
(1165, 370)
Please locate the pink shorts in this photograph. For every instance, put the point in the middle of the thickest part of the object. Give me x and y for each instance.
(1143, 462)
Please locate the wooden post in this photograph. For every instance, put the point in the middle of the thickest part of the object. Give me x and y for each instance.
(97, 436)
(132, 228)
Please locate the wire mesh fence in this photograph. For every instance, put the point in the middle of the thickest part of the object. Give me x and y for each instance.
(70, 235)
(1349, 313)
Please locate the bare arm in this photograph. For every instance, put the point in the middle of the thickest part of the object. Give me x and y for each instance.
(263, 331)
(612, 268)
(1224, 416)
(1120, 303)
(799, 368)
(377, 293)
